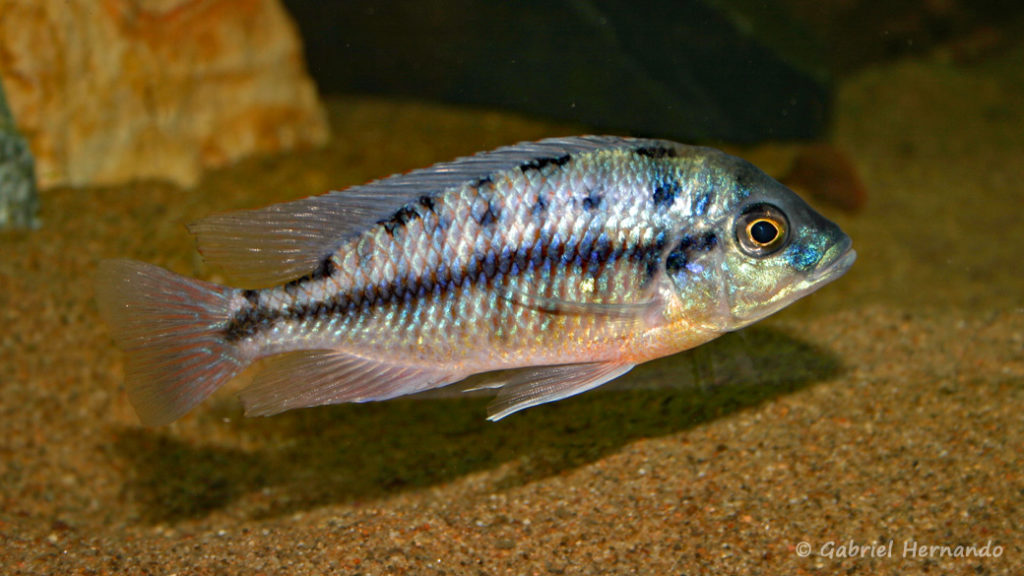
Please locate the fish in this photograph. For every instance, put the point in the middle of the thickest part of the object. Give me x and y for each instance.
(551, 267)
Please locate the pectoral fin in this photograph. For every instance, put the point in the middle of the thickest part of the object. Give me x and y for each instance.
(532, 386)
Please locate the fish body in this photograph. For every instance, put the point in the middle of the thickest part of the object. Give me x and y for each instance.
(567, 261)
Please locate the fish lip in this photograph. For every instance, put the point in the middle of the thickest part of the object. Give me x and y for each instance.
(835, 262)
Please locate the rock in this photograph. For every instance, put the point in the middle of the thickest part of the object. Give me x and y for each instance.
(691, 70)
(18, 200)
(826, 173)
(113, 91)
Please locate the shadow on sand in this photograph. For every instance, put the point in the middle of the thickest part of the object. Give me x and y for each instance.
(346, 453)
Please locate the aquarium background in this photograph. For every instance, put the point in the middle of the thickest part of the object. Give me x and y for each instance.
(884, 408)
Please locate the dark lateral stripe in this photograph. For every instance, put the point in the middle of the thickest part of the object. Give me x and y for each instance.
(596, 252)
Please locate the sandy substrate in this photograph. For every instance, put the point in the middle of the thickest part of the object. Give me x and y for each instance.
(886, 408)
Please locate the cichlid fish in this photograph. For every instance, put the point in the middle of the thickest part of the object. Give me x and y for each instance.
(563, 262)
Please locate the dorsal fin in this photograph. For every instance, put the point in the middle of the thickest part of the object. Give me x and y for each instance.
(286, 241)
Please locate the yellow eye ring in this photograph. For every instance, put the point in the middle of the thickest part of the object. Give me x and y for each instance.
(762, 230)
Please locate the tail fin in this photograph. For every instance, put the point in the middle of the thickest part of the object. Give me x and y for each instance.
(170, 328)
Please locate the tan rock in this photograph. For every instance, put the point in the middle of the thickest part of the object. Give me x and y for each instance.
(108, 91)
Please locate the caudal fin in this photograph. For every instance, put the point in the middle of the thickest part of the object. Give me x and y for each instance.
(170, 328)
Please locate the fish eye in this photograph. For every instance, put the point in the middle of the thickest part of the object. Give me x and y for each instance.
(762, 230)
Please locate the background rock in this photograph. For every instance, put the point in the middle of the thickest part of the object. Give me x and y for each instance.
(690, 70)
(856, 33)
(117, 90)
(18, 199)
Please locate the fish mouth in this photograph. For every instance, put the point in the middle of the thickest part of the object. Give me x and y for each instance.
(834, 263)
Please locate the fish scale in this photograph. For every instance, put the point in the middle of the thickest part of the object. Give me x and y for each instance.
(567, 221)
(566, 260)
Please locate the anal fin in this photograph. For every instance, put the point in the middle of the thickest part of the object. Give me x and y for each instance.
(538, 385)
(318, 377)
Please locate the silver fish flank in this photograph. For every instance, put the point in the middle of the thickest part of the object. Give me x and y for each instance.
(563, 263)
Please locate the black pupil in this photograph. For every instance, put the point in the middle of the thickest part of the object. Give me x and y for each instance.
(763, 232)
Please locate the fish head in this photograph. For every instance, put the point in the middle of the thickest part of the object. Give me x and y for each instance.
(760, 248)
